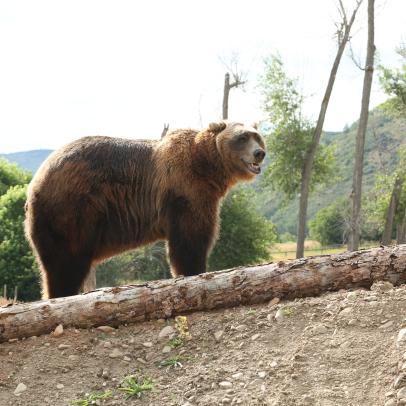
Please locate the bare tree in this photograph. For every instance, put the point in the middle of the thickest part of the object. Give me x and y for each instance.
(343, 36)
(235, 79)
(354, 237)
(165, 130)
(390, 213)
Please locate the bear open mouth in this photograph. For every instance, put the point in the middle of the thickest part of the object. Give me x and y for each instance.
(253, 167)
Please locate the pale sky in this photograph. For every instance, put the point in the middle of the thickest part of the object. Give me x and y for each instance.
(124, 68)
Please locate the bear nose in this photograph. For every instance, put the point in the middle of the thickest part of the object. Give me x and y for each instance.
(259, 154)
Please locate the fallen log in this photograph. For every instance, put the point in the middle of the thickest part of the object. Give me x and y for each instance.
(166, 298)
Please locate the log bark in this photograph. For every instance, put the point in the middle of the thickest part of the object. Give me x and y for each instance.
(166, 298)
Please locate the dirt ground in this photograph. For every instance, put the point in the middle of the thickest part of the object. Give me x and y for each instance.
(338, 349)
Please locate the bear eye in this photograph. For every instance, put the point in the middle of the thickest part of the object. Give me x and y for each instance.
(243, 137)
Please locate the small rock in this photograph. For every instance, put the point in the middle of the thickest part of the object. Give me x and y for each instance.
(147, 344)
(400, 381)
(345, 312)
(167, 331)
(13, 340)
(237, 376)
(274, 301)
(106, 329)
(142, 361)
(60, 386)
(352, 322)
(390, 402)
(218, 334)
(352, 295)
(107, 344)
(20, 389)
(401, 395)
(58, 330)
(386, 325)
(73, 357)
(226, 401)
(63, 346)
(381, 286)
(126, 358)
(166, 349)
(319, 329)
(116, 353)
(262, 374)
(401, 337)
(225, 384)
(279, 316)
(255, 337)
(273, 364)
(371, 299)
(241, 327)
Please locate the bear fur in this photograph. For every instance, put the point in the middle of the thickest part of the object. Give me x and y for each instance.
(99, 196)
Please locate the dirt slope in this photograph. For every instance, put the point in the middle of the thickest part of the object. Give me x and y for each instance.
(339, 349)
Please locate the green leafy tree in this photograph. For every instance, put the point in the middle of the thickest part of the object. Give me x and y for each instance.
(245, 235)
(329, 225)
(17, 264)
(290, 135)
(393, 82)
(11, 175)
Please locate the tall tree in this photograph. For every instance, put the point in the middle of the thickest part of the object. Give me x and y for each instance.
(236, 79)
(354, 237)
(290, 135)
(343, 36)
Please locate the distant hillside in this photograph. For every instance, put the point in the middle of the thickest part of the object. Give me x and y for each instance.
(28, 160)
(384, 137)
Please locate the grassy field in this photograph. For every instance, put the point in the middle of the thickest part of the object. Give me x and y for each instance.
(287, 250)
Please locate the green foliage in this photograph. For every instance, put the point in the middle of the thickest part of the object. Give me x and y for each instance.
(11, 175)
(17, 264)
(135, 386)
(145, 263)
(92, 398)
(245, 235)
(393, 82)
(290, 135)
(329, 225)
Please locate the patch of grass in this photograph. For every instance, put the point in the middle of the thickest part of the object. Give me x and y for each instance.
(135, 386)
(251, 311)
(91, 398)
(175, 342)
(173, 362)
(287, 311)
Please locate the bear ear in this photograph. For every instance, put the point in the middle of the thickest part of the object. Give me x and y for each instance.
(216, 128)
(255, 125)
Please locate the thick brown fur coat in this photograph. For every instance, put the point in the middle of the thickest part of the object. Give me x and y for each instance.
(100, 196)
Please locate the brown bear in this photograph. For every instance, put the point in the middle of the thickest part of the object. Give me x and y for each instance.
(100, 196)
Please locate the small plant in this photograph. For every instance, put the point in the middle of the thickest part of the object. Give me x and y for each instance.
(181, 326)
(135, 386)
(175, 342)
(287, 311)
(251, 311)
(173, 362)
(91, 398)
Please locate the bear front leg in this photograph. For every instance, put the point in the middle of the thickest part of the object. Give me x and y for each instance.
(188, 253)
(190, 238)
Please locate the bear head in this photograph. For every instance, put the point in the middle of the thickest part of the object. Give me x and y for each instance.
(241, 148)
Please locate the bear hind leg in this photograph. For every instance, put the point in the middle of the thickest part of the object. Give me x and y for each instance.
(63, 275)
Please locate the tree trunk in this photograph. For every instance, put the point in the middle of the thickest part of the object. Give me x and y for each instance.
(354, 237)
(167, 298)
(311, 153)
(401, 239)
(226, 95)
(390, 214)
